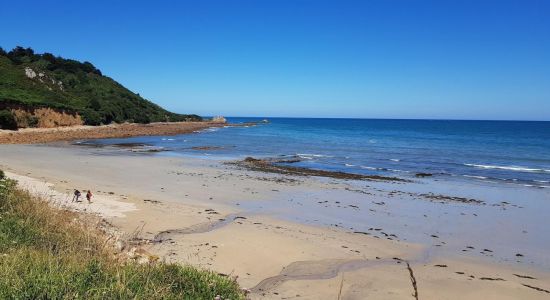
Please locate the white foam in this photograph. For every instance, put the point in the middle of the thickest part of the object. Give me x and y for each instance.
(147, 149)
(395, 159)
(312, 155)
(395, 170)
(510, 168)
(350, 165)
(212, 129)
(477, 177)
(368, 168)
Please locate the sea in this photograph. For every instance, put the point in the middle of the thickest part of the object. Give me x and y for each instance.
(496, 152)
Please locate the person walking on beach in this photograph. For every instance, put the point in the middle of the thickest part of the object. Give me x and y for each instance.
(76, 196)
(89, 196)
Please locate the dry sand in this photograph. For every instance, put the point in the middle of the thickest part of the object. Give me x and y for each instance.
(199, 213)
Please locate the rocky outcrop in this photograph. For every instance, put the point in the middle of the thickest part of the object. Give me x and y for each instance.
(219, 119)
(280, 166)
(30, 73)
(46, 135)
(43, 78)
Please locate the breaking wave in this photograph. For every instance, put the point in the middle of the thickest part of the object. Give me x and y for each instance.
(509, 168)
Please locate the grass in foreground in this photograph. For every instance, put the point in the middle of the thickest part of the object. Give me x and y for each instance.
(48, 253)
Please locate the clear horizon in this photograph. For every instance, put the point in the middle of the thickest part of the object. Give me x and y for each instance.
(467, 60)
(367, 118)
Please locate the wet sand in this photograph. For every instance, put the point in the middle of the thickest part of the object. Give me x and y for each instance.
(309, 237)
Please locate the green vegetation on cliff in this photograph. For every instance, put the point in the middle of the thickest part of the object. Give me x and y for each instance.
(49, 253)
(29, 81)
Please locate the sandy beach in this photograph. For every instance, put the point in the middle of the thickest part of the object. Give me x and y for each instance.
(296, 237)
(230, 150)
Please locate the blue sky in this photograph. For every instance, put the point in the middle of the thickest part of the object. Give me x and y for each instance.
(365, 59)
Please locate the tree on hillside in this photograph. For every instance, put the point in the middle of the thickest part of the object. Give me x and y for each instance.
(19, 55)
(49, 57)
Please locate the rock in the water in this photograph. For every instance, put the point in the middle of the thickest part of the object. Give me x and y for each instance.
(219, 119)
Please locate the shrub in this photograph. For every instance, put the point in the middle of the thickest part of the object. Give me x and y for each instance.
(33, 121)
(142, 119)
(91, 117)
(25, 119)
(7, 120)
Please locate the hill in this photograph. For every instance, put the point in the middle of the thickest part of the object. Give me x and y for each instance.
(43, 90)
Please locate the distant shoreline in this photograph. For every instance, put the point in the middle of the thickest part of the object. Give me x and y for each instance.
(45, 135)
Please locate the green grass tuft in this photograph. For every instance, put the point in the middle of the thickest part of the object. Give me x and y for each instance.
(49, 253)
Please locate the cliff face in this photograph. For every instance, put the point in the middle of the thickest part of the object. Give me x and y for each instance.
(53, 90)
(45, 118)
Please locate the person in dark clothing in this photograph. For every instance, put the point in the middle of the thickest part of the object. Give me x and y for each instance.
(76, 196)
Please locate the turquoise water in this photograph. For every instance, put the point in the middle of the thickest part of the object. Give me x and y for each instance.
(507, 152)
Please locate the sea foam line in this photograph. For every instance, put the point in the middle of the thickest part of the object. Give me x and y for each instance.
(510, 168)
(312, 155)
(477, 177)
(369, 168)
